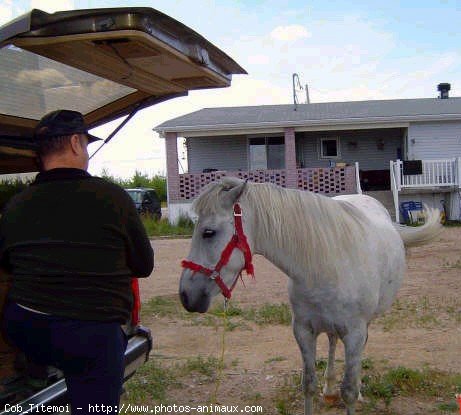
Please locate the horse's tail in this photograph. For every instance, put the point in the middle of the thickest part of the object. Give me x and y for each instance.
(420, 235)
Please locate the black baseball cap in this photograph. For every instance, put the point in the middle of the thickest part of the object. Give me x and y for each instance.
(61, 123)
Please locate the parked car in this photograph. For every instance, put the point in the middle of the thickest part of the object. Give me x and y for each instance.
(146, 200)
(107, 64)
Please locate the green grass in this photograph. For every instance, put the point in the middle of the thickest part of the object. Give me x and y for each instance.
(232, 310)
(448, 407)
(379, 387)
(236, 317)
(154, 379)
(321, 364)
(252, 398)
(171, 307)
(207, 367)
(275, 359)
(162, 227)
(456, 264)
(367, 364)
(419, 313)
(164, 307)
(269, 314)
(266, 314)
(401, 381)
(452, 223)
(151, 383)
(289, 394)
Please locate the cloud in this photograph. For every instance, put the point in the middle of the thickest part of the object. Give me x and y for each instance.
(51, 6)
(6, 11)
(258, 59)
(137, 140)
(290, 33)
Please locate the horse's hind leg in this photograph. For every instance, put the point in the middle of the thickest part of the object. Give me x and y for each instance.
(329, 391)
(354, 342)
(307, 344)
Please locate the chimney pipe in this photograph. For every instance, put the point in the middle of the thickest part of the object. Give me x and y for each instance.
(443, 89)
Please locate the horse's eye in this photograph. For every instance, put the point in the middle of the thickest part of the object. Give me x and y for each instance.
(208, 233)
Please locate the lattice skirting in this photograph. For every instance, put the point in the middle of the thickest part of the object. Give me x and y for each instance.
(190, 185)
(318, 180)
(326, 181)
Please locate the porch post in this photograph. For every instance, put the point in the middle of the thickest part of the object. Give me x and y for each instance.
(172, 180)
(290, 159)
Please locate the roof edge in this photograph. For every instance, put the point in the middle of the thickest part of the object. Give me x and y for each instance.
(305, 123)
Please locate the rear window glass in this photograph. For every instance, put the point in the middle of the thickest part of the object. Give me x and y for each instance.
(135, 195)
(33, 85)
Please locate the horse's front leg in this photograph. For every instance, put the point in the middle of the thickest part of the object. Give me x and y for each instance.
(307, 341)
(354, 343)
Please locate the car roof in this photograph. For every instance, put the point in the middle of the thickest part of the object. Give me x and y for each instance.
(104, 63)
(140, 189)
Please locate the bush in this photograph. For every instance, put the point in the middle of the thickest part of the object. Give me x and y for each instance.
(139, 179)
(9, 188)
(162, 227)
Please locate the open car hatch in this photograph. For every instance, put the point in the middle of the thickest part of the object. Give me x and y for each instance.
(104, 63)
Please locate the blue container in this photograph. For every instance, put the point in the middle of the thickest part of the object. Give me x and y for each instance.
(406, 207)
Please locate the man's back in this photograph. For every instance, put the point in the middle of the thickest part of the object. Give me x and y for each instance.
(73, 242)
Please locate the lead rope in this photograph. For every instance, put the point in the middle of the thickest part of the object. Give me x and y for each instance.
(220, 369)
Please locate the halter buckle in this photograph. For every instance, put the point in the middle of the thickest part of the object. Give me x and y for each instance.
(214, 275)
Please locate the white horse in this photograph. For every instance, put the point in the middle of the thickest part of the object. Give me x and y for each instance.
(344, 258)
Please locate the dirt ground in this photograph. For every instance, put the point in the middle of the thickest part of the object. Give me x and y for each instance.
(258, 358)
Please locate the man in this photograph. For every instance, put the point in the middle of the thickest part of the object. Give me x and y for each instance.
(72, 243)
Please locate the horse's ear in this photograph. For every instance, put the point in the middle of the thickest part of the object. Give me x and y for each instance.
(232, 190)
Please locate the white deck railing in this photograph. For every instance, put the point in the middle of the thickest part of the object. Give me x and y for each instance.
(435, 174)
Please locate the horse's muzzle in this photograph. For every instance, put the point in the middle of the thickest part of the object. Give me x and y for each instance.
(200, 305)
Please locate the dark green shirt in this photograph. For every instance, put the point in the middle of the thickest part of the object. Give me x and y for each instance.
(72, 242)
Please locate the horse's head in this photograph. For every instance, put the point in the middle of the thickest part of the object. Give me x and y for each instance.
(219, 249)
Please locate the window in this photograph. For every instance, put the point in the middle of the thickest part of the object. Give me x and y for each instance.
(136, 195)
(329, 148)
(258, 154)
(267, 153)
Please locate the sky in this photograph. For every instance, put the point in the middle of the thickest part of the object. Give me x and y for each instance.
(344, 50)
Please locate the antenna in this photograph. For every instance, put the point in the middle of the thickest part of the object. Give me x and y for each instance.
(297, 83)
(295, 98)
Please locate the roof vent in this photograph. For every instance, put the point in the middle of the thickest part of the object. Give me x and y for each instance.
(443, 89)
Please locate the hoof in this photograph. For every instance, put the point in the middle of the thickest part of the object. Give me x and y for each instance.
(332, 400)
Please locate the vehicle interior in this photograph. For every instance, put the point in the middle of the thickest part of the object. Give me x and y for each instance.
(107, 64)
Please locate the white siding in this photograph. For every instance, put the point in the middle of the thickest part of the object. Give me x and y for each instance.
(367, 151)
(434, 140)
(222, 153)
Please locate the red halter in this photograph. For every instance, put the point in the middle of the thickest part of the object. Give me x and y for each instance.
(238, 241)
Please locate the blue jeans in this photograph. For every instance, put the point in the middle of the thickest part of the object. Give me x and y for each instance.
(90, 353)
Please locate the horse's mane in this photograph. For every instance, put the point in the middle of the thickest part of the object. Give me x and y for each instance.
(318, 232)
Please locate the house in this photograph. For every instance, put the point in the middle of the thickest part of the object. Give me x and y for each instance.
(332, 148)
